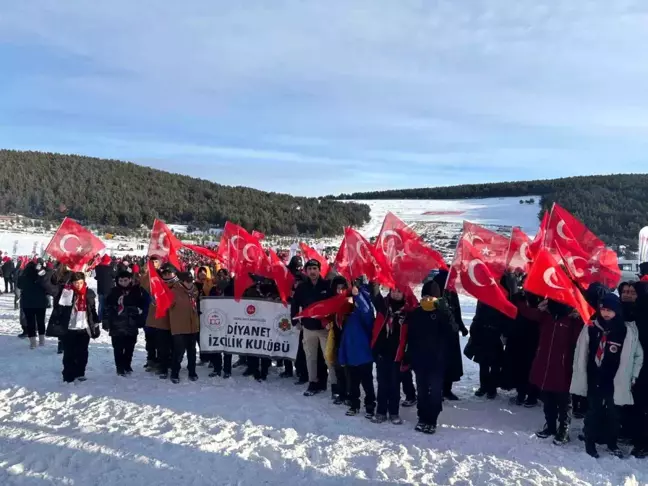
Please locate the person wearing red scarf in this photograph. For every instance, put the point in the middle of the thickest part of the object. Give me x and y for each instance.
(75, 318)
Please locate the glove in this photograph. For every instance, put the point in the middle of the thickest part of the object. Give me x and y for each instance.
(442, 305)
(464, 331)
(42, 273)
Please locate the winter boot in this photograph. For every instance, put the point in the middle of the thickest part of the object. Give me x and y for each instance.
(492, 395)
(590, 448)
(193, 377)
(420, 427)
(562, 437)
(339, 400)
(215, 374)
(379, 419)
(226, 375)
(518, 400)
(286, 374)
(33, 342)
(396, 420)
(615, 451)
(430, 429)
(480, 392)
(547, 431)
(352, 412)
(639, 452)
(23, 335)
(531, 403)
(120, 372)
(313, 389)
(369, 415)
(41, 340)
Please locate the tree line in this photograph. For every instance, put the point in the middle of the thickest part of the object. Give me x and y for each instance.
(113, 193)
(614, 207)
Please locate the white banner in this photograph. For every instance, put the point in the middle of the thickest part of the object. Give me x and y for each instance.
(250, 327)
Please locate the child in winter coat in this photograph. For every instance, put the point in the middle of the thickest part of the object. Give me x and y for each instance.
(340, 390)
(388, 344)
(430, 330)
(124, 310)
(355, 352)
(75, 312)
(607, 363)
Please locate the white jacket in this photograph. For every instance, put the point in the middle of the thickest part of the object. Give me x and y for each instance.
(630, 365)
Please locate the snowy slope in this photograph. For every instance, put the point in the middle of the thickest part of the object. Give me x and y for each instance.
(112, 431)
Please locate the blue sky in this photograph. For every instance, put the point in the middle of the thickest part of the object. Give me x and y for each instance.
(321, 97)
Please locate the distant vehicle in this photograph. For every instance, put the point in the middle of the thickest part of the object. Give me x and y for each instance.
(629, 270)
(124, 247)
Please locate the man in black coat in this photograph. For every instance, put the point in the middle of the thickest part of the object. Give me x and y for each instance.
(105, 276)
(313, 289)
(8, 270)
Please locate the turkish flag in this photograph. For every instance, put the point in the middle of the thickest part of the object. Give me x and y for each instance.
(365, 260)
(162, 295)
(409, 257)
(546, 279)
(243, 254)
(472, 275)
(539, 239)
(519, 255)
(583, 253)
(74, 245)
(276, 270)
(333, 305)
(312, 254)
(258, 235)
(491, 246)
(164, 244)
(201, 250)
(341, 263)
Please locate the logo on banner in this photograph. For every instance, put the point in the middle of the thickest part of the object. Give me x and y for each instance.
(250, 310)
(284, 324)
(216, 320)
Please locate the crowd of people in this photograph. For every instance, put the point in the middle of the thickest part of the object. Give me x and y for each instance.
(548, 353)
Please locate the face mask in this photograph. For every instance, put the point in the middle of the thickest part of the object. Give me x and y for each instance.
(428, 304)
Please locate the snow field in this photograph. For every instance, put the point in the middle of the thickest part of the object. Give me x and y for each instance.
(141, 430)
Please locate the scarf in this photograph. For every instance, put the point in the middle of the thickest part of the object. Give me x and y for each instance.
(80, 303)
(600, 351)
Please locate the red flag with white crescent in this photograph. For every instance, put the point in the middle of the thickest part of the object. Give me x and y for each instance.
(312, 254)
(162, 295)
(472, 275)
(164, 244)
(519, 256)
(74, 245)
(341, 263)
(365, 260)
(410, 258)
(546, 279)
(333, 305)
(583, 253)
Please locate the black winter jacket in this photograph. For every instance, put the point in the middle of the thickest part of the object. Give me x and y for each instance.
(105, 277)
(124, 311)
(34, 288)
(428, 335)
(306, 294)
(60, 319)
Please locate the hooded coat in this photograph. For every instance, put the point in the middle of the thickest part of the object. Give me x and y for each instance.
(105, 275)
(34, 288)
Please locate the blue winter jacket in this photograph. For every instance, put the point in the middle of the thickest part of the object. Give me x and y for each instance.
(355, 347)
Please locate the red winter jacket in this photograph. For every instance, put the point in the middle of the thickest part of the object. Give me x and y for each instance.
(552, 366)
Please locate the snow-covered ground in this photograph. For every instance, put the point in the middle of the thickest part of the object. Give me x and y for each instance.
(144, 431)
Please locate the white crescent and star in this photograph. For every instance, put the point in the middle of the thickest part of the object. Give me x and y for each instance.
(65, 239)
(386, 234)
(548, 277)
(359, 251)
(472, 237)
(245, 252)
(161, 243)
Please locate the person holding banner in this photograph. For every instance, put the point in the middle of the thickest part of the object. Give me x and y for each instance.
(313, 289)
(224, 287)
